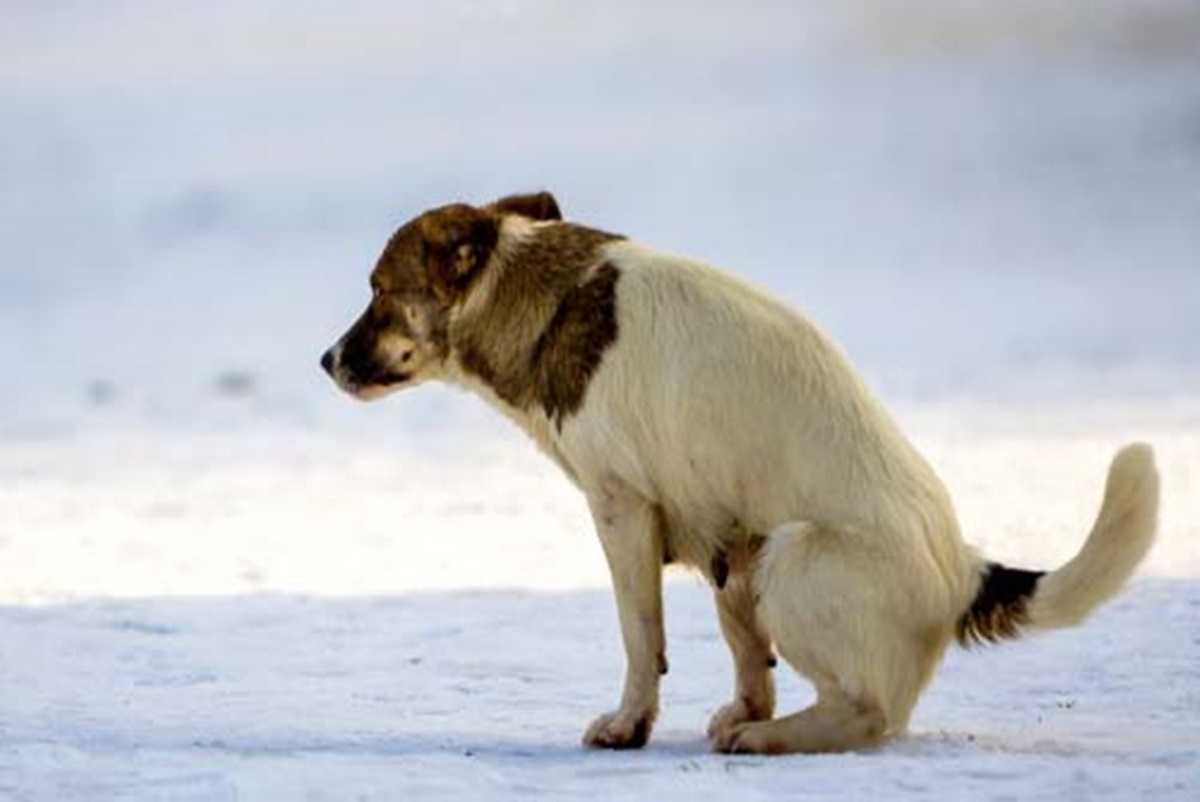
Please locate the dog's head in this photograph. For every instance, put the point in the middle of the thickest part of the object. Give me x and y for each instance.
(426, 269)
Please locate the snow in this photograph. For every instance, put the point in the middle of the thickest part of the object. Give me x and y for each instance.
(221, 580)
(482, 695)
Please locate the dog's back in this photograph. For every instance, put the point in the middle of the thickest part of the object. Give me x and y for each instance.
(728, 406)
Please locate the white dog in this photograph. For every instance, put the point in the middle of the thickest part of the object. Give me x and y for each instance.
(710, 425)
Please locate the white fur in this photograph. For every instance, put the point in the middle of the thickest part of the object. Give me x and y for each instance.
(1121, 537)
(719, 413)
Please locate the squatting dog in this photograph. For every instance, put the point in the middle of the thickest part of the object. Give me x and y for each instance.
(712, 426)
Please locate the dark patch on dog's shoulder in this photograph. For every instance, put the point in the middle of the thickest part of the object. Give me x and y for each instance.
(1000, 606)
(571, 347)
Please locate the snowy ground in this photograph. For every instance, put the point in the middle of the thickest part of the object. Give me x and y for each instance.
(221, 580)
(232, 617)
(482, 695)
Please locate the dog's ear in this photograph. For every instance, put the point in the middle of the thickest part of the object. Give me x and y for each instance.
(536, 206)
(459, 240)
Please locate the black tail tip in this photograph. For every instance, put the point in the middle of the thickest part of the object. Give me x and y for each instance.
(1000, 608)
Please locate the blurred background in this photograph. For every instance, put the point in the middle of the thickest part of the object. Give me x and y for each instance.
(978, 199)
(228, 580)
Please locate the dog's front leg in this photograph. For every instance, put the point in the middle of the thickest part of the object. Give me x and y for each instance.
(629, 530)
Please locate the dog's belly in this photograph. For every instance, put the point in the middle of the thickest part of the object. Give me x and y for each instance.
(718, 546)
(724, 496)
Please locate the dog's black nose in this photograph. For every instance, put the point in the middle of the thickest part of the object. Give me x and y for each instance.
(327, 362)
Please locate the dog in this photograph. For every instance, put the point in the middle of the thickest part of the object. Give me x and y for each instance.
(710, 425)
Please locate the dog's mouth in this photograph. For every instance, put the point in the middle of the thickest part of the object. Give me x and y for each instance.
(366, 377)
(390, 378)
(376, 387)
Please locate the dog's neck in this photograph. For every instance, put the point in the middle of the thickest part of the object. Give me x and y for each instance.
(503, 335)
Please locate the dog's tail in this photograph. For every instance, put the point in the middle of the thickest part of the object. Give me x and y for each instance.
(1011, 599)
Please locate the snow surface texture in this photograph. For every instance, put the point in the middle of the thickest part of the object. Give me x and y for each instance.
(221, 580)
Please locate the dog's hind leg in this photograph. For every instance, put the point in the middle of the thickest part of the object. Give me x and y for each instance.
(835, 723)
(838, 610)
(754, 685)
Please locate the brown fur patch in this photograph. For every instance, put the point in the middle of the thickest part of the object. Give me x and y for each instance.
(550, 315)
(458, 241)
(536, 334)
(438, 253)
(999, 609)
(570, 349)
(405, 304)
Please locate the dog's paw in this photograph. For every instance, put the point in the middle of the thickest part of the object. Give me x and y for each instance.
(753, 738)
(729, 717)
(739, 711)
(619, 730)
